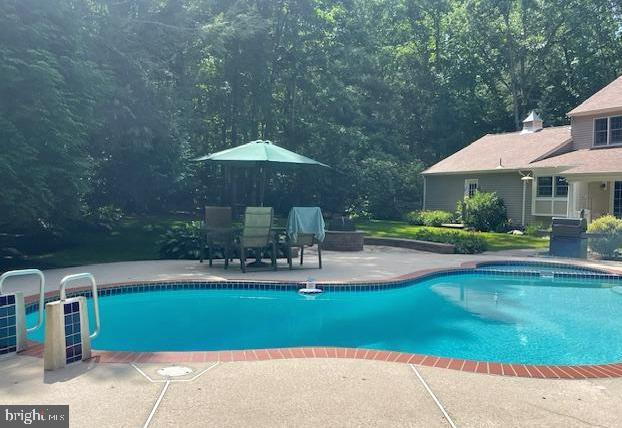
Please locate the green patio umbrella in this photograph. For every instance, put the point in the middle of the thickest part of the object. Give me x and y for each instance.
(261, 154)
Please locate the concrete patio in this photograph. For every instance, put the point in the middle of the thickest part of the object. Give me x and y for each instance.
(374, 263)
(308, 392)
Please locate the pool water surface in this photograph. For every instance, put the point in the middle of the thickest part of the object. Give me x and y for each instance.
(529, 320)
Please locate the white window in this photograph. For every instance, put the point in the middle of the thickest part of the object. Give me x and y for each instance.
(550, 196)
(545, 187)
(561, 187)
(608, 131)
(470, 187)
(615, 133)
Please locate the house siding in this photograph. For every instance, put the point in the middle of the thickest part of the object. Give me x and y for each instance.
(582, 129)
(444, 191)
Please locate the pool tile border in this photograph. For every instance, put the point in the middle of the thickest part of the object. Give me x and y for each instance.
(469, 366)
(613, 370)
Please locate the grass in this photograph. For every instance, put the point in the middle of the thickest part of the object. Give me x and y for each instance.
(137, 239)
(495, 241)
(133, 239)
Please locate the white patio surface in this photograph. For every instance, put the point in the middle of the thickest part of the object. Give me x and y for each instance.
(374, 263)
(309, 393)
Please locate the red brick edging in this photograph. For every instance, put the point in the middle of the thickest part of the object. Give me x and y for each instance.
(516, 370)
(614, 370)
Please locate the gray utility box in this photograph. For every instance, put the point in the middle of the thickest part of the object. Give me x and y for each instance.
(569, 238)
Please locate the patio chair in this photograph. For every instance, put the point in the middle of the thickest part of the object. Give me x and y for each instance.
(305, 228)
(217, 233)
(257, 234)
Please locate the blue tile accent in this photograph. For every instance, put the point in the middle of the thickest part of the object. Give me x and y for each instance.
(331, 287)
(73, 338)
(8, 328)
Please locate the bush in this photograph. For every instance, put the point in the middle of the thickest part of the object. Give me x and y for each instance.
(414, 218)
(429, 218)
(610, 230)
(107, 217)
(341, 223)
(465, 242)
(182, 241)
(486, 212)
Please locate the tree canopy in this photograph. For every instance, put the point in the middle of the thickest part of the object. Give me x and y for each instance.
(105, 102)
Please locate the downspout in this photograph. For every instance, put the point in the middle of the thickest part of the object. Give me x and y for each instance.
(424, 193)
(524, 193)
(525, 179)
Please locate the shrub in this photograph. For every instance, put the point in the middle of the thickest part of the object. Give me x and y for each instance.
(107, 217)
(429, 218)
(182, 241)
(486, 212)
(414, 218)
(465, 242)
(341, 223)
(609, 240)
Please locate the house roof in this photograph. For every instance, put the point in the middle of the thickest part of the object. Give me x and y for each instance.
(607, 99)
(516, 151)
(586, 161)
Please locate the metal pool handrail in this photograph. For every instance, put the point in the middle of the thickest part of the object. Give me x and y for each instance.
(90, 277)
(23, 272)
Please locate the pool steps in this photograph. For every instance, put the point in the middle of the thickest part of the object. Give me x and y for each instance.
(13, 309)
(67, 335)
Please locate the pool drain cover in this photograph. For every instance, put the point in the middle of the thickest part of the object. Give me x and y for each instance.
(174, 371)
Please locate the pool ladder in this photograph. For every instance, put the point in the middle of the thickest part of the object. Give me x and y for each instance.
(76, 277)
(67, 334)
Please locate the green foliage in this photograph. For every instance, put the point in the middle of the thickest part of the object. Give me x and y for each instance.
(389, 188)
(429, 218)
(486, 212)
(48, 91)
(465, 242)
(340, 223)
(609, 241)
(414, 218)
(107, 217)
(108, 102)
(181, 241)
(533, 230)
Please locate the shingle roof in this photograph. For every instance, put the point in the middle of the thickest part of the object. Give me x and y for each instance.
(586, 161)
(516, 150)
(607, 99)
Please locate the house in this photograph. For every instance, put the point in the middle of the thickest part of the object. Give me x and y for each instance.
(542, 172)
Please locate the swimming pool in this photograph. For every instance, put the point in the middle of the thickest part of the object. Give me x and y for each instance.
(519, 319)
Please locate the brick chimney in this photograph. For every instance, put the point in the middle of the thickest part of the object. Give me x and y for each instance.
(533, 123)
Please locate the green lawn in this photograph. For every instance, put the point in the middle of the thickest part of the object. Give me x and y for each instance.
(496, 241)
(133, 239)
(137, 239)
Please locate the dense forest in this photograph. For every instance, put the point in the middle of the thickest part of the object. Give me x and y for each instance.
(107, 102)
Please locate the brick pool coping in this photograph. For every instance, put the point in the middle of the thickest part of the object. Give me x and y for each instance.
(613, 370)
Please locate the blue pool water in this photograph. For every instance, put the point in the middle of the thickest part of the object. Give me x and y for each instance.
(539, 268)
(472, 316)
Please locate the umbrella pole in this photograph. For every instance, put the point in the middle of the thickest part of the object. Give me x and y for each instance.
(223, 195)
(262, 184)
